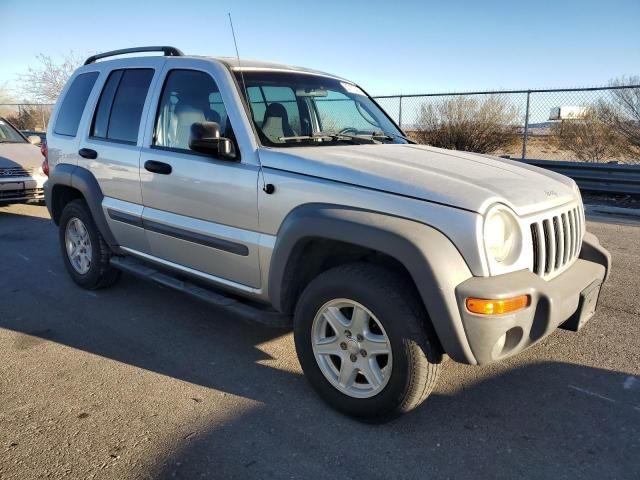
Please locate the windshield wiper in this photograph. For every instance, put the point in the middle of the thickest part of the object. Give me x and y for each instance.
(391, 136)
(374, 137)
(331, 137)
(366, 138)
(306, 137)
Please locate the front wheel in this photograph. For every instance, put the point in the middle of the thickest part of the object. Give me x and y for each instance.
(362, 341)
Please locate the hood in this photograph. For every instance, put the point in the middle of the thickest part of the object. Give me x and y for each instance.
(460, 179)
(23, 155)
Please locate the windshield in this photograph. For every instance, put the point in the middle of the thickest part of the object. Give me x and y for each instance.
(8, 134)
(299, 109)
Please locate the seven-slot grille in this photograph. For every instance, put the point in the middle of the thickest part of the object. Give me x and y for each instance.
(16, 172)
(556, 241)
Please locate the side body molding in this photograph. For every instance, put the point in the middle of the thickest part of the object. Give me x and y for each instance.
(429, 256)
(82, 180)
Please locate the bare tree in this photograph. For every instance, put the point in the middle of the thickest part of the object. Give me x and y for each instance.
(44, 82)
(470, 124)
(622, 114)
(590, 138)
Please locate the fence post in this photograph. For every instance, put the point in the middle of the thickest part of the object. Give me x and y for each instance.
(526, 128)
(400, 113)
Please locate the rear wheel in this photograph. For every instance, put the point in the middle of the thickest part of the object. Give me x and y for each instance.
(362, 341)
(85, 253)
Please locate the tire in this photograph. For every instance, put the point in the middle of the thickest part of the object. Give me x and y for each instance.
(393, 305)
(99, 273)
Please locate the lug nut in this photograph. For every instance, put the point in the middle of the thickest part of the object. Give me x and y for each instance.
(363, 353)
(353, 357)
(343, 346)
(359, 337)
(347, 333)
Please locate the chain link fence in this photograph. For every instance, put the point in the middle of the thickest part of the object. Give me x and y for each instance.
(599, 125)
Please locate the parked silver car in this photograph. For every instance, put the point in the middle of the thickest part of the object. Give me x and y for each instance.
(292, 190)
(21, 175)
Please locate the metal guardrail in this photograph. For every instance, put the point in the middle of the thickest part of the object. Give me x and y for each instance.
(594, 177)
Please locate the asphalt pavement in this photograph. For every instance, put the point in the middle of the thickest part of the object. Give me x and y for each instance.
(139, 381)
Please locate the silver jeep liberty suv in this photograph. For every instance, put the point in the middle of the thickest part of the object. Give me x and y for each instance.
(289, 196)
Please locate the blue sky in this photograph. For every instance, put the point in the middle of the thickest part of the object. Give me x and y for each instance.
(387, 47)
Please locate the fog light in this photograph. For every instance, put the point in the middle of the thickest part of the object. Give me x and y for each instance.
(486, 306)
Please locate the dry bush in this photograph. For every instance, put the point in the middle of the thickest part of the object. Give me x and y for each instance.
(27, 118)
(469, 124)
(590, 138)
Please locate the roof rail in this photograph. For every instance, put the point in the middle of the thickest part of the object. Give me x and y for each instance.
(168, 52)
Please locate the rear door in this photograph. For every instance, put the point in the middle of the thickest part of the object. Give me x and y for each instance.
(201, 212)
(110, 148)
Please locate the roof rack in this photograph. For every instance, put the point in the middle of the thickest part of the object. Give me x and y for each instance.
(168, 52)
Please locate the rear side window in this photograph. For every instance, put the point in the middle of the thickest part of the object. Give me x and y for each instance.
(74, 103)
(117, 117)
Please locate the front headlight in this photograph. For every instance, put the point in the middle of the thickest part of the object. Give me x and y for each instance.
(502, 236)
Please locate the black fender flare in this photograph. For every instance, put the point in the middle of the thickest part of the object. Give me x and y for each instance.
(594, 252)
(432, 260)
(85, 182)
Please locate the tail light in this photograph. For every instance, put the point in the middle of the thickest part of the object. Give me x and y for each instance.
(44, 149)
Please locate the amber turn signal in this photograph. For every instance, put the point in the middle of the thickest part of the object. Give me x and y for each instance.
(485, 306)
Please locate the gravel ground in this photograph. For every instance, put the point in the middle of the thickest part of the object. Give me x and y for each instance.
(139, 381)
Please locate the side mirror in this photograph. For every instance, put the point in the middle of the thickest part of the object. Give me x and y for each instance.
(205, 138)
(33, 139)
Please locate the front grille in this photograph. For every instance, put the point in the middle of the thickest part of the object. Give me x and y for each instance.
(10, 172)
(25, 194)
(556, 241)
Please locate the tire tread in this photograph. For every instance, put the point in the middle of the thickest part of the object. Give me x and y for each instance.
(422, 347)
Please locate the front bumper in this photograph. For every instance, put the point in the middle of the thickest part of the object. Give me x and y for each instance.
(21, 189)
(495, 337)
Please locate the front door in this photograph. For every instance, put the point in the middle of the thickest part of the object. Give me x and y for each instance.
(200, 212)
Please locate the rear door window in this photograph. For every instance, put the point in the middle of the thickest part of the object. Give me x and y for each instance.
(74, 103)
(119, 110)
(101, 118)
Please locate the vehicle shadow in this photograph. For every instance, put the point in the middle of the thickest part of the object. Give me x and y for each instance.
(538, 421)
(135, 322)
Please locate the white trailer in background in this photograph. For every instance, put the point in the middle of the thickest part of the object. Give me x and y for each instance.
(567, 113)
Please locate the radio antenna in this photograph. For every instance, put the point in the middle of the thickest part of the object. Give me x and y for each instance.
(235, 43)
(267, 188)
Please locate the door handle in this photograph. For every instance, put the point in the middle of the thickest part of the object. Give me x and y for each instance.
(88, 153)
(157, 167)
